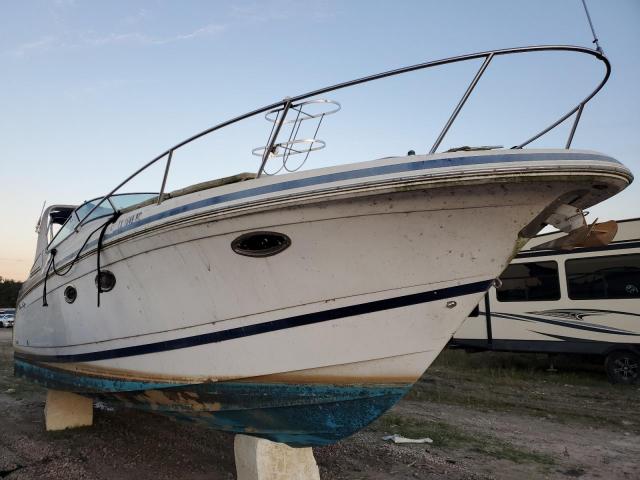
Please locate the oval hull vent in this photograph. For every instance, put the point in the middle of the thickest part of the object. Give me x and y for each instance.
(260, 244)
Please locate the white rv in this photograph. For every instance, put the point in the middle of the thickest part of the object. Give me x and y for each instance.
(583, 301)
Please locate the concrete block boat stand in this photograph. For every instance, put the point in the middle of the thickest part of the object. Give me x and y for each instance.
(260, 459)
(67, 410)
(256, 458)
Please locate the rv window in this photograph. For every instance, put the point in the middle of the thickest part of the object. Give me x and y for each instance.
(615, 276)
(529, 282)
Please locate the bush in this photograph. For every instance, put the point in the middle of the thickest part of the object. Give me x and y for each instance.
(9, 292)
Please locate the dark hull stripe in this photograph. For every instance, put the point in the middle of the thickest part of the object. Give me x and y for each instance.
(428, 164)
(271, 326)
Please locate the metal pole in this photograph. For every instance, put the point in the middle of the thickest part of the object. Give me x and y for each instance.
(292, 135)
(461, 103)
(575, 125)
(40, 217)
(548, 129)
(487, 315)
(164, 179)
(272, 140)
(593, 31)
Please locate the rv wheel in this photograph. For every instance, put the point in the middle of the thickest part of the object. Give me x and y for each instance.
(623, 367)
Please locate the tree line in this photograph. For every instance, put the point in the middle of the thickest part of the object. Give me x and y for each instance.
(9, 292)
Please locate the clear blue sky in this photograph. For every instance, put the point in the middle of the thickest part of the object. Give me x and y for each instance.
(91, 90)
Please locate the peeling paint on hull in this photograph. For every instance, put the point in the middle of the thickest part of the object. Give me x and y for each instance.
(296, 414)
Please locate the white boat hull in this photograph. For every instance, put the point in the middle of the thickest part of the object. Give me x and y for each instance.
(377, 278)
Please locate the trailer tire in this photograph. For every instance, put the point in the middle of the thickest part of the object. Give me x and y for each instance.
(623, 366)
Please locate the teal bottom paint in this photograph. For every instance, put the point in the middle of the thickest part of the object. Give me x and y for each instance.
(296, 414)
(61, 380)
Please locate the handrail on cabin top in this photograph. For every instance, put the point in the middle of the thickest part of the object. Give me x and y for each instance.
(286, 103)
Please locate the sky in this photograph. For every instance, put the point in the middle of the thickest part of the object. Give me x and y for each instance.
(90, 91)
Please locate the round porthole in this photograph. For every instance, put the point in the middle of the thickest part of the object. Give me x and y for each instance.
(70, 294)
(260, 244)
(107, 281)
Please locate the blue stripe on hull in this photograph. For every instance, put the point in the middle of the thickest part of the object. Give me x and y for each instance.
(407, 167)
(296, 414)
(329, 178)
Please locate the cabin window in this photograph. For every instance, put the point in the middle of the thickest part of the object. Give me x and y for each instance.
(126, 200)
(70, 225)
(529, 282)
(613, 276)
(64, 231)
(58, 216)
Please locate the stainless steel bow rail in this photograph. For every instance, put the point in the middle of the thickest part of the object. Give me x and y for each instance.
(297, 105)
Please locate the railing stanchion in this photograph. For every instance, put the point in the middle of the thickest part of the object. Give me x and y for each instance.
(461, 103)
(272, 140)
(575, 125)
(164, 178)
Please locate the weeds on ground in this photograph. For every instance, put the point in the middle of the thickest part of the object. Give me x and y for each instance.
(490, 367)
(449, 436)
(520, 384)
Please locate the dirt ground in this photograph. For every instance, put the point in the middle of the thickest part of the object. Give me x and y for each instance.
(490, 415)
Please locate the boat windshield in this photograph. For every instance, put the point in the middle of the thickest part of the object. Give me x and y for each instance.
(126, 200)
(119, 202)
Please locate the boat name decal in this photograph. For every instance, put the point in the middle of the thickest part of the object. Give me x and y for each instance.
(128, 220)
